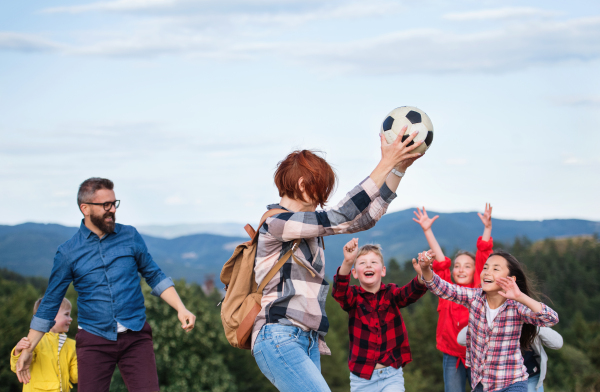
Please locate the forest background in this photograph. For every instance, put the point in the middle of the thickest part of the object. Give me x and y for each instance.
(567, 272)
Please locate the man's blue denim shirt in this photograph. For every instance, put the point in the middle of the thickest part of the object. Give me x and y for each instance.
(105, 275)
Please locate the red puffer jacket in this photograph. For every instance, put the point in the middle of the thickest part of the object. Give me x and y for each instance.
(452, 316)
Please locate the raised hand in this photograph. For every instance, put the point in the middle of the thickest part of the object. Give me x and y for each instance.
(23, 344)
(510, 289)
(423, 265)
(425, 260)
(399, 151)
(350, 251)
(486, 218)
(405, 164)
(423, 219)
(417, 267)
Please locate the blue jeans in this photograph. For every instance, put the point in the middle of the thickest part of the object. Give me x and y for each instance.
(290, 358)
(455, 378)
(520, 386)
(383, 380)
(532, 382)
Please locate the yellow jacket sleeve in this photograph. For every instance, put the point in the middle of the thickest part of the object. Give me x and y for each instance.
(13, 360)
(73, 374)
(73, 370)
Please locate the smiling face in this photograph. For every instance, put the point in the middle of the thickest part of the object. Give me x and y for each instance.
(102, 219)
(63, 320)
(464, 269)
(369, 270)
(495, 267)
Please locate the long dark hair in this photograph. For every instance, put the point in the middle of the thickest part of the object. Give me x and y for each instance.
(527, 287)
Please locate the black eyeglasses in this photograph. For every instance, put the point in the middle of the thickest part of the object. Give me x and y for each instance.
(108, 205)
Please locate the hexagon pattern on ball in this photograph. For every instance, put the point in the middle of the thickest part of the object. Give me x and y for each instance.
(415, 119)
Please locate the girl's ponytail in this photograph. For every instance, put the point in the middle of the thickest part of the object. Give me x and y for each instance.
(529, 331)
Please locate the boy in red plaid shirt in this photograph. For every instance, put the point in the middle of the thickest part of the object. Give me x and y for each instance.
(378, 340)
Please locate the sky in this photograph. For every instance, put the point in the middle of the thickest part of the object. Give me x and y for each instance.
(188, 105)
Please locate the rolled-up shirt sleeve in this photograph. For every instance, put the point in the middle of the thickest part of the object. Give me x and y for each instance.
(150, 271)
(386, 193)
(547, 317)
(162, 286)
(60, 278)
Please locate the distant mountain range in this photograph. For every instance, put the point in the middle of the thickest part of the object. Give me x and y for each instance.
(29, 248)
(174, 231)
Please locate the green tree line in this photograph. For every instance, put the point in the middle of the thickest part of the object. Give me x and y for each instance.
(567, 273)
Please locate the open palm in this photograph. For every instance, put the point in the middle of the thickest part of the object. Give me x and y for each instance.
(486, 217)
(423, 219)
(509, 287)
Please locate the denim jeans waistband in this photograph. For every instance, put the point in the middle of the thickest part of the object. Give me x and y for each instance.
(273, 329)
(386, 372)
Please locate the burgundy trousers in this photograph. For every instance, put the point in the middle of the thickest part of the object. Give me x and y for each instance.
(133, 352)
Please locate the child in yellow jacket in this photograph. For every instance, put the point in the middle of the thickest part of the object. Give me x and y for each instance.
(54, 364)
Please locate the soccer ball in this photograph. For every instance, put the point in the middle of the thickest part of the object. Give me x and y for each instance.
(415, 119)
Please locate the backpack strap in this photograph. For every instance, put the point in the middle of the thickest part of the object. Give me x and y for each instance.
(254, 233)
(278, 266)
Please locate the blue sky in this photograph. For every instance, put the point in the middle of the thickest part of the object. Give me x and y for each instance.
(189, 105)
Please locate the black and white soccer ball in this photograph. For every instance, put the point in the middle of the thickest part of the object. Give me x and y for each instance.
(415, 119)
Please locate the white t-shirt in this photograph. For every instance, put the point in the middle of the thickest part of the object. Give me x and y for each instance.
(120, 327)
(490, 314)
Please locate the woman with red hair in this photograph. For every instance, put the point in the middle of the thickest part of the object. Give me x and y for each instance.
(287, 338)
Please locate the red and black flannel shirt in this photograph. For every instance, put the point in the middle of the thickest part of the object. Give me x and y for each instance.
(377, 331)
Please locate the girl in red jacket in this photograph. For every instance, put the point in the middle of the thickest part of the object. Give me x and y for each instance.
(452, 316)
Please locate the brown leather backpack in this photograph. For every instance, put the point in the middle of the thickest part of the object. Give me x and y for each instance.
(242, 301)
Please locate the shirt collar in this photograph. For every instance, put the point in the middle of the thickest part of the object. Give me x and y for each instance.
(84, 230)
(363, 291)
(277, 206)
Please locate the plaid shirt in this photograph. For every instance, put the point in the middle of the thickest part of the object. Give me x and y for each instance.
(296, 295)
(376, 329)
(493, 355)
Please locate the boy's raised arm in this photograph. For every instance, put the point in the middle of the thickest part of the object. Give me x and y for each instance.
(350, 252)
(410, 292)
(342, 292)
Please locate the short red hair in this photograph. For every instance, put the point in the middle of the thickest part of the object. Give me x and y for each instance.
(319, 179)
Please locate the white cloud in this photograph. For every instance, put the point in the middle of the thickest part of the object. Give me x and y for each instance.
(26, 42)
(259, 10)
(500, 13)
(573, 161)
(126, 140)
(175, 200)
(512, 48)
(118, 5)
(578, 100)
(242, 35)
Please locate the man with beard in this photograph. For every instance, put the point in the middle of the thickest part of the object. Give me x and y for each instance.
(103, 260)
